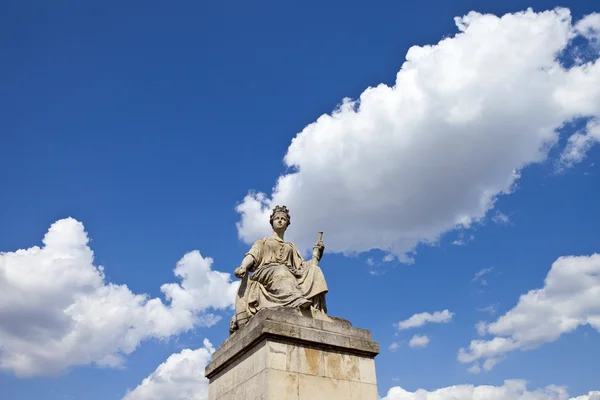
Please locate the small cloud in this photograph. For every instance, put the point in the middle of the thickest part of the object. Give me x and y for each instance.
(480, 274)
(474, 369)
(389, 257)
(421, 319)
(394, 346)
(374, 267)
(419, 341)
(501, 219)
(490, 363)
(587, 172)
(579, 144)
(481, 328)
(463, 239)
(489, 309)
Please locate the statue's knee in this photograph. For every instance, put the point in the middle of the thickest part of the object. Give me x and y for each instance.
(282, 273)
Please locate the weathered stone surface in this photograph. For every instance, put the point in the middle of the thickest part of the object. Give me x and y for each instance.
(282, 355)
(285, 325)
(280, 277)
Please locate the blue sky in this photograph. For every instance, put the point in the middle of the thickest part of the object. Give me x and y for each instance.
(150, 123)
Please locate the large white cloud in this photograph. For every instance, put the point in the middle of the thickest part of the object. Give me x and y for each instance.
(181, 377)
(57, 310)
(404, 164)
(510, 390)
(570, 298)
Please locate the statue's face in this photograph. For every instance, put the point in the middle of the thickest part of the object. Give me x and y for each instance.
(280, 221)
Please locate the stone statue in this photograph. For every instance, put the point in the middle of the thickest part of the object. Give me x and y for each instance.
(280, 276)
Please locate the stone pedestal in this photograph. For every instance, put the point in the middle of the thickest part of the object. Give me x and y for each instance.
(281, 355)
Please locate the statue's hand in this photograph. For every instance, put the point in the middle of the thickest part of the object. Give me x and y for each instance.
(240, 272)
(318, 249)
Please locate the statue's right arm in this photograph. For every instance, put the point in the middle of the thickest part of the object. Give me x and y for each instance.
(242, 270)
(247, 262)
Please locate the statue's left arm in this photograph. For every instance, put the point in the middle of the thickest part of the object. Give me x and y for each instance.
(299, 264)
(318, 248)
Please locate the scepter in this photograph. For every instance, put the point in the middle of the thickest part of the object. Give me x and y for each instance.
(319, 240)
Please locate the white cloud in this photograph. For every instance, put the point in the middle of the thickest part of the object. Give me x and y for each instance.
(593, 395)
(570, 298)
(489, 309)
(510, 390)
(394, 346)
(463, 239)
(481, 328)
(490, 363)
(474, 369)
(421, 319)
(181, 377)
(419, 341)
(589, 26)
(57, 310)
(479, 276)
(404, 164)
(501, 218)
(388, 258)
(579, 143)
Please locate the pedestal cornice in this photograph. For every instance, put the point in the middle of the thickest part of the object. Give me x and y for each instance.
(288, 326)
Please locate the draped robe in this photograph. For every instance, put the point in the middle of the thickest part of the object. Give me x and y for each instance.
(280, 278)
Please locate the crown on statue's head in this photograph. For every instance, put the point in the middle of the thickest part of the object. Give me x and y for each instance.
(280, 210)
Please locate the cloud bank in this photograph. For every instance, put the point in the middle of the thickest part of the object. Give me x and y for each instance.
(181, 377)
(57, 310)
(510, 390)
(403, 165)
(569, 299)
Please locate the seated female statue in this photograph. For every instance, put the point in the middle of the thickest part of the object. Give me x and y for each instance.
(280, 276)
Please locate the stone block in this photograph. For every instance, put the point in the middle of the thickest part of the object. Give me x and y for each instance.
(283, 355)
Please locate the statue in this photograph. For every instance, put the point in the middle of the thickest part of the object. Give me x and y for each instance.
(280, 276)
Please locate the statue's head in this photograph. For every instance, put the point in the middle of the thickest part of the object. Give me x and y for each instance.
(280, 218)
